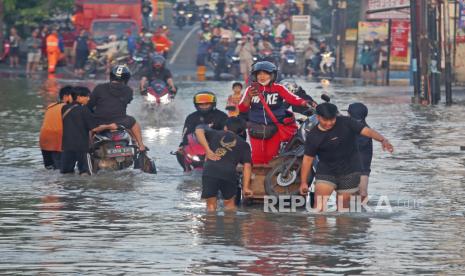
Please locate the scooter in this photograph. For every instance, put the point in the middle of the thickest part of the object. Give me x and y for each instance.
(191, 156)
(289, 64)
(158, 93)
(181, 19)
(113, 150)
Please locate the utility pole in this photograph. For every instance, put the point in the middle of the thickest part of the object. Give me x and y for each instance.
(388, 69)
(447, 54)
(415, 66)
(1, 25)
(342, 8)
(434, 44)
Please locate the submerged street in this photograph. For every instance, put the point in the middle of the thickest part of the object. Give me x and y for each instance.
(138, 223)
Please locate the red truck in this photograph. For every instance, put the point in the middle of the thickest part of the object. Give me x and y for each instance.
(102, 18)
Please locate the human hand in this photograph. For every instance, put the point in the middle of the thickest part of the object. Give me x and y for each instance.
(212, 156)
(387, 146)
(303, 188)
(254, 90)
(113, 126)
(247, 192)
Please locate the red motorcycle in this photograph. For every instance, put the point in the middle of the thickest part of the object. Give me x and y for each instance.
(158, 93)
(191, 156)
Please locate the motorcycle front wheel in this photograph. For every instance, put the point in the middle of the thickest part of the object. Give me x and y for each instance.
(278, 182)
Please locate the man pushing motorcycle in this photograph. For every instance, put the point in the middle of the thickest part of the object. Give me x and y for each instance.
(109, 101)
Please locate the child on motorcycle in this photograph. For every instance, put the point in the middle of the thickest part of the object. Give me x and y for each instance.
(234, 99)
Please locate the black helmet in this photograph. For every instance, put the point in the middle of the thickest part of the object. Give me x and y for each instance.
(120, 73)
(158, 61)
(264, 66)
(205, 97)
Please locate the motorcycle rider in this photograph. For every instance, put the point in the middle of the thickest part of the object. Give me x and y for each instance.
(161, 41)
(109, 101)
(158, 71)
(264, 88)
(205, 103)
(221, 48)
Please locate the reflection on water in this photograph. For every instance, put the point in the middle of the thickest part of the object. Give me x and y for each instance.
(144, 224)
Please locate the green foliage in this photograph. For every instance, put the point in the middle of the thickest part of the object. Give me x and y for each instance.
(30, 13)
(353, 14)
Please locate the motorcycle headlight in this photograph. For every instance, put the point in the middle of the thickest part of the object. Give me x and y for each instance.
(189, 15)
(196, 158)
(165, 99)
(137, 58)
(182, 12)
(235, 58)
(151, 98)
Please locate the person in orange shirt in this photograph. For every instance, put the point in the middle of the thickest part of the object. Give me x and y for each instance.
(234, 100)
(162, 42)
(51, 131)
(53, 50)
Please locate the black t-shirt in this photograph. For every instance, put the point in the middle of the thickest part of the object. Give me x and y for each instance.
(109, 101)
(231, 148)
(76, 126)
(336, 147)
(216, 117)
(364, 147)
(154, 74)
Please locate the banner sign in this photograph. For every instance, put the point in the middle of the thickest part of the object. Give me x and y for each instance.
(386, 4)
(301, 29)
(399, 40)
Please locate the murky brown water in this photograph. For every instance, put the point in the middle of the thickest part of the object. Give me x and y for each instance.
(128, 222)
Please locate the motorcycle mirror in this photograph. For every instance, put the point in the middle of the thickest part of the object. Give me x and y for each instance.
(325, 98)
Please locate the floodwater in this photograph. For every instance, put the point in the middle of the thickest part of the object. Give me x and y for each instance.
(129, 222)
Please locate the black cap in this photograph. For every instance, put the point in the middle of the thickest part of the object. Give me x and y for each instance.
(358, 111)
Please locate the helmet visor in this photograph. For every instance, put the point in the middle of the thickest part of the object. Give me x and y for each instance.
(204, 98)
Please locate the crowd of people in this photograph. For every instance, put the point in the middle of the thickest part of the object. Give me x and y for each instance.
(253, 34)
(53, 45)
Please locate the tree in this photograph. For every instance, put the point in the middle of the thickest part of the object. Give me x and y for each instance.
(353, 13)
(31, 13)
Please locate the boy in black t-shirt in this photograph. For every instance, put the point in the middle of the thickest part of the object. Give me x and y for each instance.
(364, 147)
(333, 140)
(224, 150)
(77, 122)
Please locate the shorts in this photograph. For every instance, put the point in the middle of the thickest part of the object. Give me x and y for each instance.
(211, 186)
(33, 57)
(14, 51)
(52, 159)
(127, 121)
(348, 183)
(81, 59)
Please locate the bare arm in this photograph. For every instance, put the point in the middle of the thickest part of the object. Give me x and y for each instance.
(100, 128)
(171, 84)
(304, 172)
(246, 176)
(200, 134)
(371, 133)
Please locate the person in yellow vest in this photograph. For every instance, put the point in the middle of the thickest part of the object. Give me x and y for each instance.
(53, 50)
(51, 131)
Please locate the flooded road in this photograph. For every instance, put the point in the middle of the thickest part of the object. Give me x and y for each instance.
(129, 222)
